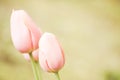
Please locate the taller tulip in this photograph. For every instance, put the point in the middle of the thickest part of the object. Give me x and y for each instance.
(51, 55)
(24, 32)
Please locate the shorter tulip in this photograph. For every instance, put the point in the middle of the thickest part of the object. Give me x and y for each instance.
(34, 54)
(51, 55)
(24, 32)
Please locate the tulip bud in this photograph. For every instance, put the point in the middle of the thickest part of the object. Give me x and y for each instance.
(24, 32)
(51, 55)
(34, 55)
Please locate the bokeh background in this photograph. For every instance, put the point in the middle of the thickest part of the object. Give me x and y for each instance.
(89, 31)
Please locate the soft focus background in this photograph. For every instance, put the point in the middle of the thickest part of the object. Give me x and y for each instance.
(89, 31)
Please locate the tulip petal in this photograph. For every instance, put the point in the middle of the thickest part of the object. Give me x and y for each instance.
(34, 31)
(19, 32)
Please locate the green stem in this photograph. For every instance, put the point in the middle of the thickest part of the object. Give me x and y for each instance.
(57, 76)
(34, 67)
(38, 70)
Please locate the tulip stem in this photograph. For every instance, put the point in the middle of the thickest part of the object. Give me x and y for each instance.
(38, 70)
(34, 67)
(57, 76)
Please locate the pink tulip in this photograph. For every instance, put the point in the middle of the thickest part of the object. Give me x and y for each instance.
(24, 32)
(51, 55)
(34, 55)
(26, 56)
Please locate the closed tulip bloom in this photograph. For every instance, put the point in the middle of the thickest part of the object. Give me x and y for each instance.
(34, 55)
(24, 32)
(51, 55)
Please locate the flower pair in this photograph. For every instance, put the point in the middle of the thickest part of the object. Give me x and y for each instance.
(28, 38)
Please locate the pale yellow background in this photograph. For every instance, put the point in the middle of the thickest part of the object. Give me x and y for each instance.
(88, 30)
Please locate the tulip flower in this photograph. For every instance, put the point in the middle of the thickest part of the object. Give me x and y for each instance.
(24, 32)
(34, 54)
(51, 55)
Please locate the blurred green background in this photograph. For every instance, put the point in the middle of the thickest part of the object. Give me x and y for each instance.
(89, 31)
